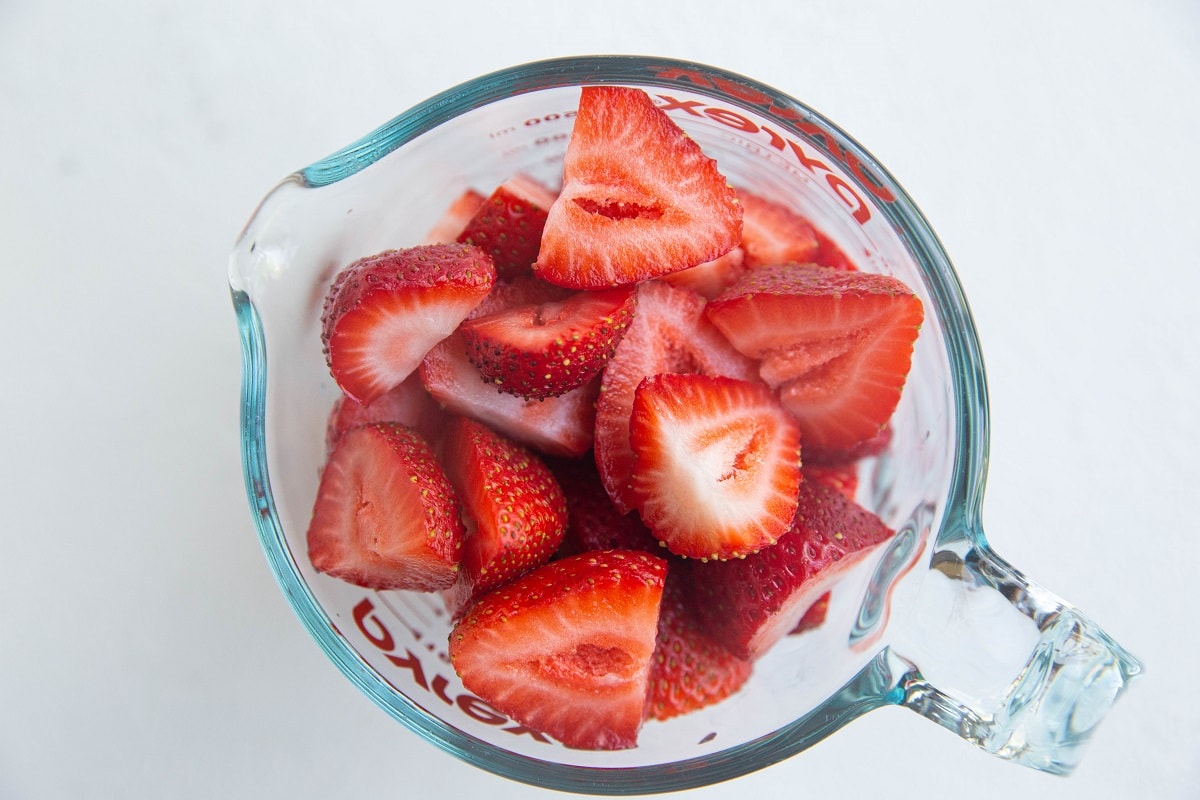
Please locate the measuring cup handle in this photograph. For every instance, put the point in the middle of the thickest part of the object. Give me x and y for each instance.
(1008, 666)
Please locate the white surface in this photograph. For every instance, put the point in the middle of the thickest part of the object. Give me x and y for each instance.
(145, 650)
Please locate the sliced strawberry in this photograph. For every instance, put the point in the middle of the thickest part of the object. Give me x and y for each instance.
(830, 255)
(383, 313)
(409, 404)
(749, 604)
(717, 464)
(669, 333)
(451, 223)
(639, 198)
(547, 349)
(712, 277)
(566, 649)
(814, 617)
(838, 344)
(561, 426)
(593, 522)
(385, 516)
(514, 511)
(508, 225)
(846, 456)
(690, 669)
(842, 477)
(774, 234)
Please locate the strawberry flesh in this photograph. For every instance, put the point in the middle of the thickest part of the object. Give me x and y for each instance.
(383, 313)
(712, 277)
(639, 197)
(774, 234)
(455, 218)
(515, 512)
(409, 404)
(717, 464)
(566, 649)
(508, 225)
(814, 617)
(750, 604)
(385, 516)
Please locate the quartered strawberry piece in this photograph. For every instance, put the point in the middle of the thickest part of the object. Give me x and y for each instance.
(385, 515)
(750, 604)
(566, 649)
(774, 234)
(455, 219)
(712, 277)
(690, 669)
(837, 343)
(514, 511)
(717, 464)
(639, 197)
(383, 313)
(508, 225)
(593, 522)
(669, 333)
(547, 349)
(408, 404)
(561, 426)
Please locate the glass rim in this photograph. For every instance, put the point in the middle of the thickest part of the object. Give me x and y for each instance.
(968, 473)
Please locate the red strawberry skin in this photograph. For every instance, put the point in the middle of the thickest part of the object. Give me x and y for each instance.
(690, 670)
(508, 225)
(409, 404)
(593, 522)
(566, 649)
(547, 349)
(774, 234)
(842, 477)
(669, 333)
(717, 464)
(455, 218)
(385, 516)
(383, 313)
(515, 511)
(837, 343)
(750, 604)
(639, 198)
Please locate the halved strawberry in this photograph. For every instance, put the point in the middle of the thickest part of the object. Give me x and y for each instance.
(593, 522)
(566, 649)
(409, 404)
(690, 670)
(639, 198)
(508, 225)
(838, 344)
(561, 426)
(717, 464)
(385, 515)
(749, 604)
(547, 349)
(456, 217)
(712, 277)
(669, 333)
(514, 511)
(772, 233)
(383, 313)
(814, 617)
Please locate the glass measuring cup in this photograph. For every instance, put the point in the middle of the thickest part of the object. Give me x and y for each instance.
(934, 621)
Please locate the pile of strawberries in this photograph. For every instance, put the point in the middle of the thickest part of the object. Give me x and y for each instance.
(615, 427)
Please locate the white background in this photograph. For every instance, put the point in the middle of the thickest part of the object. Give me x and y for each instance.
(145, 650)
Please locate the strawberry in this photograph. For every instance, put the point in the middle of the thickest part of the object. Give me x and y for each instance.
(385, 515)
(593, 522)
(566, 649)
(774, 234)
(712, 277)
(383, 313)
(409, 404)
(689, 670)
(846, 456)
(837, 343)
(749, 604)
(843, 477)
(717, 464)
(456, 217)
(639, 198)
(814, 617)
(669, 333)
(560, 425)
(508, 225)
(515, 513)
(547, 349)
(830, 255)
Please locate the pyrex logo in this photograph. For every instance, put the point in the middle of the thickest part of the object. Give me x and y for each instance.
(372, 627)
(809, 161)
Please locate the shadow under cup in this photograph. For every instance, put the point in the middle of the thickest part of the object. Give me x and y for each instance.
(933, 620)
